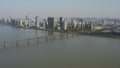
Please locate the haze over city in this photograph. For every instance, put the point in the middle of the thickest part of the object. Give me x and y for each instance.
(56, 8)
(59, 33)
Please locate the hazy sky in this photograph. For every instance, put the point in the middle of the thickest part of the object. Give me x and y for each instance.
(66, 8)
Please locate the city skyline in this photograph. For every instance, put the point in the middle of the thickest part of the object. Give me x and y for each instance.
(56, 8)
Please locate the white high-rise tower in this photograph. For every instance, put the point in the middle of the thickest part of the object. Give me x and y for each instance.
(37, 22)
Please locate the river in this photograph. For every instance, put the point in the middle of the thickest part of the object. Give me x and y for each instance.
(75, 52)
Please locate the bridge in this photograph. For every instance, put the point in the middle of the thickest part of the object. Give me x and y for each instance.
(28, 40)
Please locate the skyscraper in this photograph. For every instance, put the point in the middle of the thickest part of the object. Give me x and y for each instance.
(52, 22)
(37, 22)
(63, 23)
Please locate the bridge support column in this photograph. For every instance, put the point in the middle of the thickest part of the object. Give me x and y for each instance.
(46, 38)
(5, 43)
(72, 35)
(61, 36)
(67, 36)
(54, 37)
(38, 40)
(17, 43)
(28, 42)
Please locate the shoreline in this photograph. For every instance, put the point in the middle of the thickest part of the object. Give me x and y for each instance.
(117, 36)
(97, 34)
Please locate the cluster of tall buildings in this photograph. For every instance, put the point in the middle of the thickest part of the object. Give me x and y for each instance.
(54, 23)
(61, 23)
(38, 23)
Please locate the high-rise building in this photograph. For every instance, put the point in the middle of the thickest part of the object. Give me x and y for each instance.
(63, 23)
(26, 17)
(9, 20)
(52, 22)
(74, 23)
(22, 23)
(61, 19)
(43, 23)
(37, 22)
(49, 22)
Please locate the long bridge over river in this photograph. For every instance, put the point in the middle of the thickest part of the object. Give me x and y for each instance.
(6, 43)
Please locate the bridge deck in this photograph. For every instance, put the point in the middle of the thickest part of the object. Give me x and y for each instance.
(4, 43)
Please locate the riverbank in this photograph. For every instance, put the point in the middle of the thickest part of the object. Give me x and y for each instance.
(89, 33)
(97, 34)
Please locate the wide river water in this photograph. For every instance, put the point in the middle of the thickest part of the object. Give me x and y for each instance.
(75, 52)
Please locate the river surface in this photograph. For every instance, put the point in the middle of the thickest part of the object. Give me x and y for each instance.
(75, 52)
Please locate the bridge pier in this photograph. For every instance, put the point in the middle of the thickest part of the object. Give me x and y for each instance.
(72, 35)
(61, 37)
(38, 40)
(46, 38)
(28, 42)
(17, 43)
(67, 36)
(54, 37)
(5, 44)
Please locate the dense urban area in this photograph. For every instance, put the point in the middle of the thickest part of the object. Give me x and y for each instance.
(89, 26)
